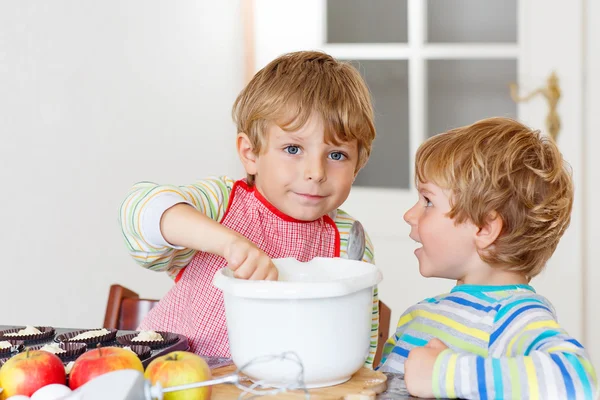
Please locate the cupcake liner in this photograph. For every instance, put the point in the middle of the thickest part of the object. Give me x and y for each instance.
(68, 337)
(47, 332)
(72, 350)
(142, 352)
(168, 339)
(17, 346)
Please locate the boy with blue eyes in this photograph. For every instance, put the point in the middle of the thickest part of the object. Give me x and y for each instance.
(305, 129)
(494, 200)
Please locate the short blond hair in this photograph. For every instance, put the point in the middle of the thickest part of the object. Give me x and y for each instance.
(500, 165)
(293, 87)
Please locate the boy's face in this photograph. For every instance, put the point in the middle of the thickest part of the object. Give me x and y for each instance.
(448, 250)
(300, 174)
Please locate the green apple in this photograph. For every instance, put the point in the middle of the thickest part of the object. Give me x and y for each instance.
(180, 368)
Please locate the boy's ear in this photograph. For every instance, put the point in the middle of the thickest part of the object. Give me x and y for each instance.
(246, 153)
(487, 234)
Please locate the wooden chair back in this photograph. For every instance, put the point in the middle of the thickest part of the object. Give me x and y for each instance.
(385, 315)
(124, 309)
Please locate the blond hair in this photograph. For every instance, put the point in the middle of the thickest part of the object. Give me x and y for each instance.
(293, 87)
(498, 165)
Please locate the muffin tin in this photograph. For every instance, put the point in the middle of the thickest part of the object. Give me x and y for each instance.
(146, 354)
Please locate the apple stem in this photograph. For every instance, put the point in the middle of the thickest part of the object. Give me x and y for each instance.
(27, 353)
(99, 347)
(172, 357)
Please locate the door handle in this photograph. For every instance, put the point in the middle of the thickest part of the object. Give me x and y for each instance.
(551, 92)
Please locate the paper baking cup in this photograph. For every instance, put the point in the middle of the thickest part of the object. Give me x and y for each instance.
(168, 339)
(72, 350)
(68, 337)
(142, 352)
(46, 332)
(17, 346)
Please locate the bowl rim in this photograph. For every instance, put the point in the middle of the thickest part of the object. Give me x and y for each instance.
(224, 281)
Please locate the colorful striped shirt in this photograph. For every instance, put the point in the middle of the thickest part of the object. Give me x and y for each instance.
(504, 342)
(142, 209)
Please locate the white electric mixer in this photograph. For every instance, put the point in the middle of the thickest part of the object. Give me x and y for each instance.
(131, 385)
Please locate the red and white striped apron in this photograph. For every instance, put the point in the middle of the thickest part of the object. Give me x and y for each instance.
(195, 308)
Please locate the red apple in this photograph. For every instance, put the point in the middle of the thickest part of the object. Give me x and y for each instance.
(180, 368)
(100, 361)
(26, 372)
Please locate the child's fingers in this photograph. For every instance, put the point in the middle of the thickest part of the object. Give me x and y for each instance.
(245, 270)
(260, 273)
(254, 266)
(234, 263)
(273, 274)
(263, 267)
(249, 262)
(236, 258)
(247, 267)
(239, 251)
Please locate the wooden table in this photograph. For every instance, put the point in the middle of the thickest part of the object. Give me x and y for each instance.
(372, 385)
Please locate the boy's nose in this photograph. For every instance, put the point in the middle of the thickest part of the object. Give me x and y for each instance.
(315, 171)
(410, 216)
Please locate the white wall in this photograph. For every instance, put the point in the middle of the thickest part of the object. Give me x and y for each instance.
(592, 179)
(94, 96)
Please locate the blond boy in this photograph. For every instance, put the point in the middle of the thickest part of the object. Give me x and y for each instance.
(305, 129)
(494, 200)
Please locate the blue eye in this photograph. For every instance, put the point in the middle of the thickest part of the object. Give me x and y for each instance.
(292, 150)
(428, 202)
(337, 156)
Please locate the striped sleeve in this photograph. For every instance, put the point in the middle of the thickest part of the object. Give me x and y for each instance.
(394, 352)
(344, 222)
(529, 357)
(138, 220)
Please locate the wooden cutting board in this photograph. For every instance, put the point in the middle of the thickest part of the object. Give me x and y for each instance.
(364, 385)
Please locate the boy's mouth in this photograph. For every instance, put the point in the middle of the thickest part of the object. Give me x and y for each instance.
(415, 240)
(310, 196)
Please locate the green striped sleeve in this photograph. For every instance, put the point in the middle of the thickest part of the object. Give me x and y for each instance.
(344, 221)
(209, 196)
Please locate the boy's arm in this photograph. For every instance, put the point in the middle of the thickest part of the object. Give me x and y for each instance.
(142, 210)
(530, 356)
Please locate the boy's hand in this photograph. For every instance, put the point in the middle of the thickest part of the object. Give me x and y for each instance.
(248, 261)
(418, 368)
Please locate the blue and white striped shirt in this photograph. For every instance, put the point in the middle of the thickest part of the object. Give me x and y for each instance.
(504, 342)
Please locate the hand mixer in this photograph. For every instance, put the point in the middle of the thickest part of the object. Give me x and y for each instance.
(131, 384)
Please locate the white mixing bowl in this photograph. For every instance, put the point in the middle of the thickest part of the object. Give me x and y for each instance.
(321, 310)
